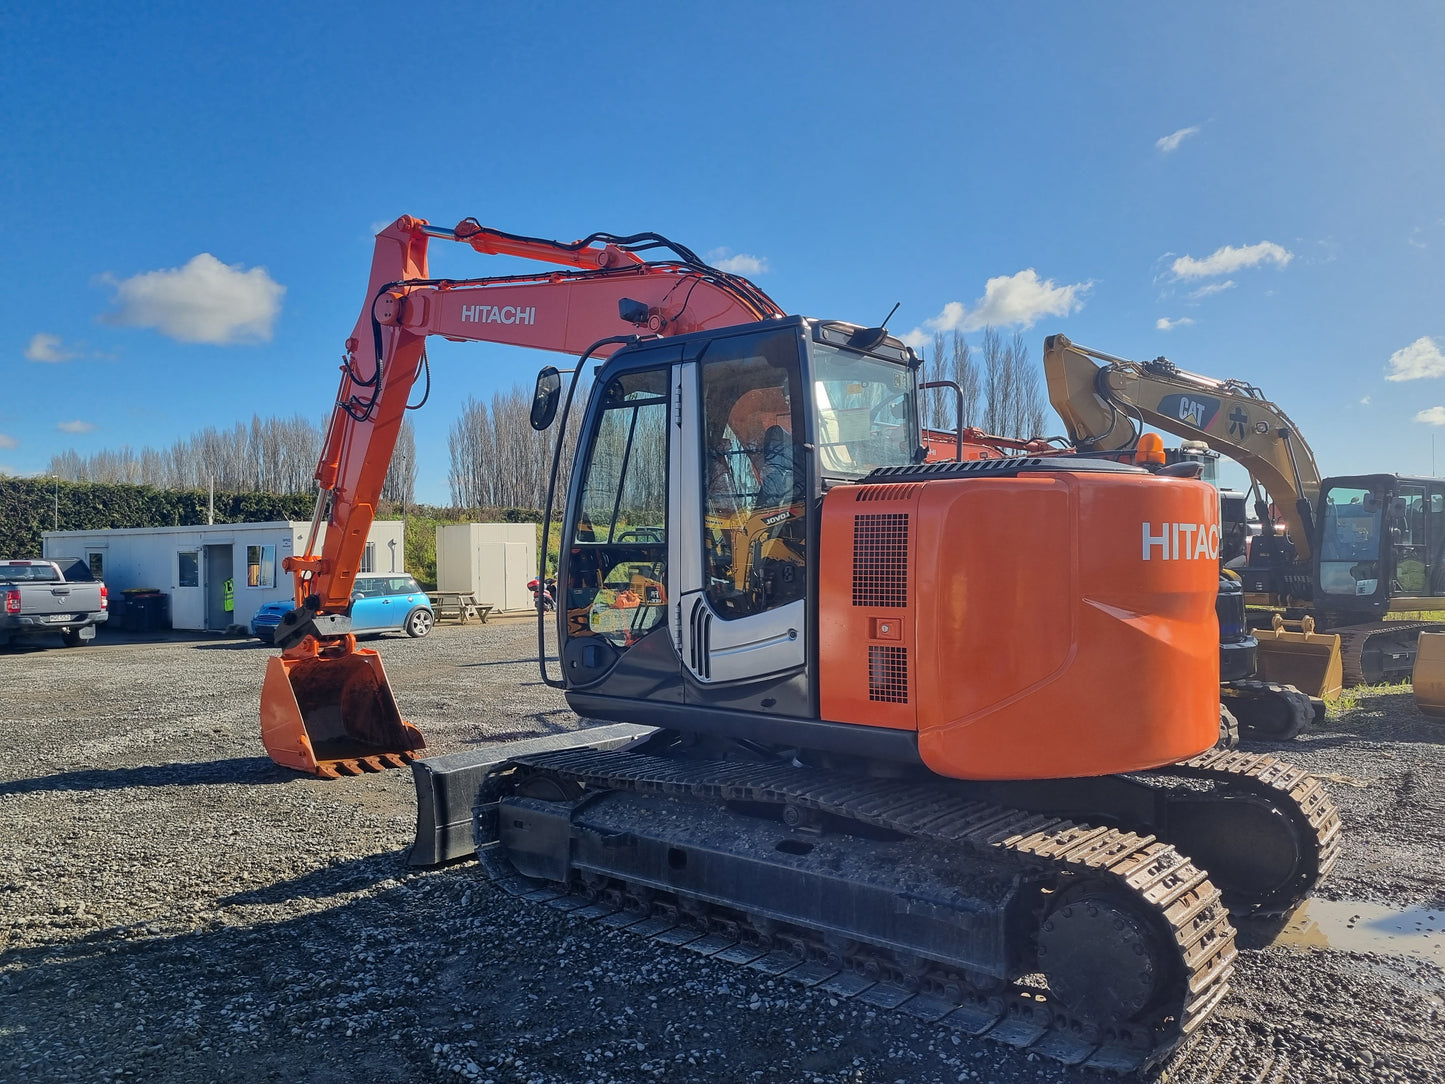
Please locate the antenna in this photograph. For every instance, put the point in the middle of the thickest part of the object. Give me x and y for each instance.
(890, 314)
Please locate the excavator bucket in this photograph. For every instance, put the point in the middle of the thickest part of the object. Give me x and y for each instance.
(329, 711)
(1429, 673)
(1308, 660)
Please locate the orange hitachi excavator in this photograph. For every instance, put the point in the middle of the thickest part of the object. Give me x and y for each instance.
(938, 734)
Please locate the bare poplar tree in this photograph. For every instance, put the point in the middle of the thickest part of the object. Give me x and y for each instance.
(935, 405)
(963, 372)
(270, 455)
(498, 460)
(994, 382)
(1029, 403)
(400, 482)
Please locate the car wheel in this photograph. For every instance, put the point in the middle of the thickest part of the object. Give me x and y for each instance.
(419, 622)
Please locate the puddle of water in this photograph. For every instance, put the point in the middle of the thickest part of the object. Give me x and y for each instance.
(1367, 927)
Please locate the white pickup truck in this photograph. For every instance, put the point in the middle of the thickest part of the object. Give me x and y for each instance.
(45, 597)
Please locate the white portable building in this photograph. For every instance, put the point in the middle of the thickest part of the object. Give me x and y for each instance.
(192, 564)
(492, 562)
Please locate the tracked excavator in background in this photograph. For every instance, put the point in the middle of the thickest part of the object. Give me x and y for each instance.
(1353, 550)
(935, 735)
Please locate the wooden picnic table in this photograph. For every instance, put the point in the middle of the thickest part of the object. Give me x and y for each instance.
(462, 605)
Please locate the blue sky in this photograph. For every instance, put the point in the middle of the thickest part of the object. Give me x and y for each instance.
(187, 194)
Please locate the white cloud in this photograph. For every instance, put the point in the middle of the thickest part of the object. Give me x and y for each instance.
(1166, 324)
(740, 264)
(76, 427)
(7, 441)
(205, 301)
(1021, 300)
(1210, 289)
(44, 347)
(1226, 260)
(1434, 416)
(1018, 300)
(1170, 143)
(1365, 401)
(1422, 358)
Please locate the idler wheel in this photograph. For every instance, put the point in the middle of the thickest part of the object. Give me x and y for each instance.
(549, 789)
(1102, 963)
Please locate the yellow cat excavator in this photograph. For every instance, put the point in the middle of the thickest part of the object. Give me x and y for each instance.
(939, 736)
(1353, 549)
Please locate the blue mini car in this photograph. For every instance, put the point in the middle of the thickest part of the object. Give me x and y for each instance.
(378, 604)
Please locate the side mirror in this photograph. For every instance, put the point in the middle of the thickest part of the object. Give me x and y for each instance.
(545, 397)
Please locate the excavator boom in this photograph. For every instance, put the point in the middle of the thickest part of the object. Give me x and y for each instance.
(1104, 405)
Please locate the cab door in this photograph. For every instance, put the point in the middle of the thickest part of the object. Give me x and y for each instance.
(613, 577)
(742, 615)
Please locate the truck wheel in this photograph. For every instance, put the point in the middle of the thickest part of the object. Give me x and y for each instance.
(72, 638)
(419, 622)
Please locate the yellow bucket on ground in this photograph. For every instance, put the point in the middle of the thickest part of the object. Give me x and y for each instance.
(1429, 673)
(328, 710)
(1308, 660)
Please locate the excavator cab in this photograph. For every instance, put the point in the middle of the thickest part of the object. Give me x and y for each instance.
(691, 532)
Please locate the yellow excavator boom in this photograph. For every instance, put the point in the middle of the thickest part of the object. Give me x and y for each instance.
(1105, 400)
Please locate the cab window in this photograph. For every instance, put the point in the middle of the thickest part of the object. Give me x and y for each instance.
(1350, 542)
(618, 556)
(754, 474)
(1405, 527)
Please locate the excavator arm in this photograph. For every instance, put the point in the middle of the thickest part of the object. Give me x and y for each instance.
(326, 706)
(1104, 406)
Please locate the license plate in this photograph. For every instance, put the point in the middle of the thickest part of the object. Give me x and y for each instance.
(59, 619)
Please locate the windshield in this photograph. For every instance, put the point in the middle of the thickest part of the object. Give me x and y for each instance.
(1350, 542)
(865, 412)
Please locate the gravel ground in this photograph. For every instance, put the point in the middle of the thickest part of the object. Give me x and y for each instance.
(175, 908)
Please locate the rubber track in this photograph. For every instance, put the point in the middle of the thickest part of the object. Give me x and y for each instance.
(1354, 639)
(1153, 874)
(1297, 794)
(1302, 711)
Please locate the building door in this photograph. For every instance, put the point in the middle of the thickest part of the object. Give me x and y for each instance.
(219, 569)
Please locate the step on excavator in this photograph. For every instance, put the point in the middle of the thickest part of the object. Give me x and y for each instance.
(939, 736)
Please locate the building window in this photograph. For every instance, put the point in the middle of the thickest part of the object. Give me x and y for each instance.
(97, 565)
(190, 568)
(368, 558)
(260, 566)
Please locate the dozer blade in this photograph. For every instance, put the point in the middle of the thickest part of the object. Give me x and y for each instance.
(328, 710)
(1429, 673)
(447, 786)
(1308, 660)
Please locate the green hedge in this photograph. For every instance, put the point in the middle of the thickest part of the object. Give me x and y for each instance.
(29, 506)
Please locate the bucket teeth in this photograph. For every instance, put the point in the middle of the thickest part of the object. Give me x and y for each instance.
(335, 769)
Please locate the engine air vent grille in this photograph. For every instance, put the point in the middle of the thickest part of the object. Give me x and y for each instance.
(880, 559)
(888, 674)
(900, 492)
